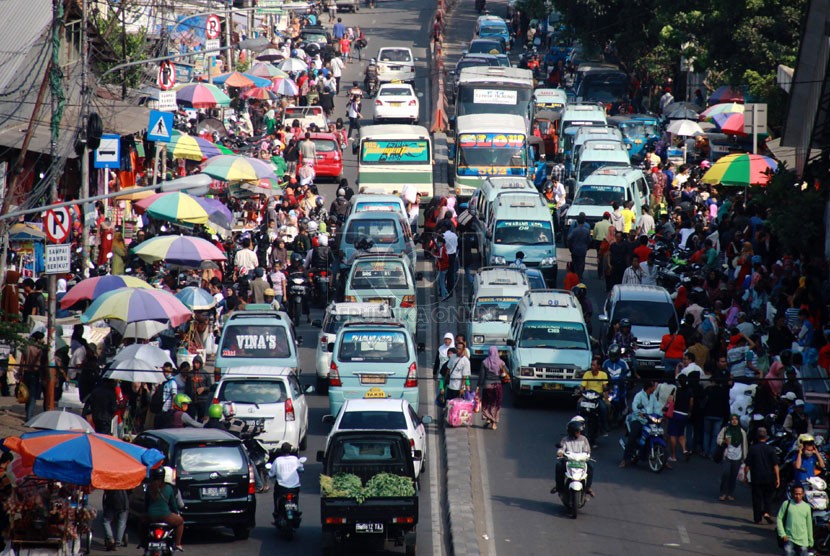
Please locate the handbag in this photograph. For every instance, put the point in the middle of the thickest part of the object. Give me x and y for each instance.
(781, 542)
(21, 392)
(720, 452)
(670, 408)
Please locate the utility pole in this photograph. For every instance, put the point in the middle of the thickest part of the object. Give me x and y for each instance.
(229, 33)
(85, 255)
(123, 49)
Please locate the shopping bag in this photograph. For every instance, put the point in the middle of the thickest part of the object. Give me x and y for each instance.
(459, 413)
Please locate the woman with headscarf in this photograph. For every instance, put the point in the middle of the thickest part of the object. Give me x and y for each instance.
(732, 440)
(489, 387)
(60, 292)
(119, 254)
(441, 357)
(11, 297)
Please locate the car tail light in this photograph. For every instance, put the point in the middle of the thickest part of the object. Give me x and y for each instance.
(158, 534)
(349, 298)
(324, 342)
(336, 156)
(251, 482)
(404, 519)
(335, 520)
(412, 377)
(413, 102)
(323, 274)
(378, 102)
(408, 302)
(334, 375)
(412, 443)
(289, 410)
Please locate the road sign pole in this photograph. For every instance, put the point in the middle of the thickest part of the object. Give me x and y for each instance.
(754, 128)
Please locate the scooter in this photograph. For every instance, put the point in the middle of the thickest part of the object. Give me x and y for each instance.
(160, 540)
(298, 288)
(651, 444)
(319, 286)
(576, 481)
(588, 408)
(288, 512)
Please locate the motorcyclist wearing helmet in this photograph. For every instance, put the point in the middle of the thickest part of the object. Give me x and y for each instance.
(797, 421)
(285, 471)
(340, 206)
(370, 76)
(318, 212)
(628, 343)
(808, 461)
(162, 504)
(215, 417)
(296, 270)
(616, 368)
(321, 256)
(580, 291)
(573, 442)
(180, 418)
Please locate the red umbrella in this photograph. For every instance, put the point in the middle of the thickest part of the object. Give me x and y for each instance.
(730, 123)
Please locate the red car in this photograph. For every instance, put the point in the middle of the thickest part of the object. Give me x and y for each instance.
(329, 163)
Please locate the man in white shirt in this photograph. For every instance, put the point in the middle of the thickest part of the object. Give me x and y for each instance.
(649, 276)
(246, 257)
(646, 222)
(337, 71)
(633, 274)
(286, 474)
(558, 193)
(645, 403)
(451, 239)
(689, 366)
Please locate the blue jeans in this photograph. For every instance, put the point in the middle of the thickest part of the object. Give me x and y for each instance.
(791, 549)
(32, 382)
(120, 521)
(711, 428)
(442, 284)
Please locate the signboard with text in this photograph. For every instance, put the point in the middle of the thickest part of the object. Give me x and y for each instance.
(58, 258)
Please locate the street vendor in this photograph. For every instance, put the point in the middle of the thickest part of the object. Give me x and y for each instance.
(6, 458)
(163, 506)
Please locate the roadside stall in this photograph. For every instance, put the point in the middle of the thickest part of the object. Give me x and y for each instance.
(55, 471)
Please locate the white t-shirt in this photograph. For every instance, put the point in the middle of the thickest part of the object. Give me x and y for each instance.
(459, 370)
(736, 358)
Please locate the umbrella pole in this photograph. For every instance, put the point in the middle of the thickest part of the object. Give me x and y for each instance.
(164, 163)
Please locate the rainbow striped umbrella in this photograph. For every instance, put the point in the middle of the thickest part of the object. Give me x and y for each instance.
(180, 250)
(259, 93)
(189, 147)
(741, 170)
(136, 305)
(202, 95)
(238, 168)
(174, 207)
(285, 86)
(726, 108)
(730, 123)
(237, 79)
(91, 288)
(266, 70)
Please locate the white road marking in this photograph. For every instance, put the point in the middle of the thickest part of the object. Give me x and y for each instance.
(684, 535)
(485, 492)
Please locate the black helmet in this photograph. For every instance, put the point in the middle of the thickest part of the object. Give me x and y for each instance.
(157, 474)
(302, 223)
(548, 186)
(614, 352)
(354, 83)
(577, 424)
(625, 323)
(296, 259)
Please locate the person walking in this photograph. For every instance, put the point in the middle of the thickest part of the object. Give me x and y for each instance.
(579, 239)
(490, 387)
(332, 8)
(442, 265)
(795, 524)
(457, 380)
(441, 357)
(33, 367)
(683, 404)
(354, 115)
(765, 477)
(732, 440)
(116, 508)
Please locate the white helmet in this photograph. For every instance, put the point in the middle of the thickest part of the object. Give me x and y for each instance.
(323, 240)
(312, 226)
(228, 410)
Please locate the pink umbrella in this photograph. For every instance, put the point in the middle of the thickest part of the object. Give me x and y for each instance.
(285, 87)
(92, 288)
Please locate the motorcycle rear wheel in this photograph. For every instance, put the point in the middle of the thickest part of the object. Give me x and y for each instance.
(656, 458)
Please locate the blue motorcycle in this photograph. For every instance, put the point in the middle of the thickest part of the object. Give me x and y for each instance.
(651, 445)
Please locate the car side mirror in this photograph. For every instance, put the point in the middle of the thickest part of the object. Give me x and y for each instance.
(510, 342)
(317, 323)
(330, 347)
(299, 340)
(328, 419)
(320, 455)
(602, 317)
(309, 389)
(426, 420)
(421, 346)
(417, 455)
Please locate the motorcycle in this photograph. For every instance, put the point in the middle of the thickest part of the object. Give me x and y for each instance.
(371, 87)
(288, 514)
(259, 455)
(298, 288)
(319, 286)
(576, 481)
(588, 408)
(617, 402)
(160, 540)
(651, 445)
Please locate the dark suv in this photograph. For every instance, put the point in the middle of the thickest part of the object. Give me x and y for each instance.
(213, 475)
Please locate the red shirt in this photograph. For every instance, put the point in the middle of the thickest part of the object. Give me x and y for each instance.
(571, 280)
(442, 260)
(643, 251)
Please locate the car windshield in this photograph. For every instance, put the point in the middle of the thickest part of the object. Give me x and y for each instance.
(474, 63)
(259, 341)
(380, 231)
(492, 30)
(314, 37)
(536, 281)
(523, 232)
(489, 309)
(382, 275)
(589, 167)
(253, 391)
(603, 91)
(557, 335)
(335, 322)
(599, 195)
(395, 92)
(209, 459)
(632, 131)
(646, 313)
(389, 55)
(374, 346)
(325, 145)
(386, 420)
(486, 47)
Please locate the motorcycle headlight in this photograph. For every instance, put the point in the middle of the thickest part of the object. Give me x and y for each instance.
(478, 339)
(548, 261)
(497, 260)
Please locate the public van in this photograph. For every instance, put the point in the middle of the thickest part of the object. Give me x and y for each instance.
(578, 115)
(550, 99)
(595, 154)
(493, 146)
(604, 187)
(393, 156)
(481, 203)
(257, 338)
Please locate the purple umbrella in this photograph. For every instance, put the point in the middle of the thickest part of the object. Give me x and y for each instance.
(180, 250)
(218, 213)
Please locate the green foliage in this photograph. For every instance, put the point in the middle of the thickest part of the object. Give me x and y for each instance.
(797, 218)
(136, 48)
(382, 485)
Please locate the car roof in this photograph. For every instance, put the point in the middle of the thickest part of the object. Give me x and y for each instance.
(501, 276)
(376, 197)
(395, 48)
(359, 308)
(256, 372)
(609, 175)
(374, 323)
(324, 135)
(636, 292)
(378, 404)
(375, 215)
(192, 434)
(562, 299)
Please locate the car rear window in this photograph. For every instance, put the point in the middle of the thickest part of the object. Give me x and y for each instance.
(378, 230)
(390, 55)
(395, 92)
(384, 420)
(378, 274)
(253, 392)
(324, 145)
(207, 459)
(367, 450)
(367, 345)
(258, 341)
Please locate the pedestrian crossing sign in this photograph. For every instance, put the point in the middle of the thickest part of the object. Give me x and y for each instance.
(160, 126)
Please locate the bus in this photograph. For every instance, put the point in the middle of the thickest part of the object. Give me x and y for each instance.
(495, 90)
(393, 156)
(493, 146)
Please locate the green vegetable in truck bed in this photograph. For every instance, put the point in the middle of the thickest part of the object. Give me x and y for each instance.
(389, 485)
(382, 485)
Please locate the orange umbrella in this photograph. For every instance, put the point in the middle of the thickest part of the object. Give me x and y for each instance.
(236, 79)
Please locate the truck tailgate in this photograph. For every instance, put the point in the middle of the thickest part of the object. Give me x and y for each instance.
(380, 510)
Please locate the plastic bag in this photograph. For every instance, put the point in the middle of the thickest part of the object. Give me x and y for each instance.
(743, 474)
(21, 392)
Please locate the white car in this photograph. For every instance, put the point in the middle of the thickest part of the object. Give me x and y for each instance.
(270, 395)
(396, 101)
(395, 63)
(336, 315)
(383, 414)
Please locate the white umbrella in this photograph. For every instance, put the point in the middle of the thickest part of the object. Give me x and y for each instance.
(685, 128)
(142, 330)
(59, 421)
(134, 370)
(292, 64)
(152, 355)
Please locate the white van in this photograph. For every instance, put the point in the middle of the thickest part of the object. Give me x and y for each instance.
(396, 63)
(596, 154)
(606, 185)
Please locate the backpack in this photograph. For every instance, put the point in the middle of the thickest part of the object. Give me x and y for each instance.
(157, 400)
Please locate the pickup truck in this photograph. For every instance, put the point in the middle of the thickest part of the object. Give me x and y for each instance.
(372, 520)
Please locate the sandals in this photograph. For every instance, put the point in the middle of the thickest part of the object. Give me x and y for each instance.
(722, 497)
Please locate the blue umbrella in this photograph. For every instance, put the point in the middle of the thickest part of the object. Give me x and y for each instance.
(258, 81)
(196, 299)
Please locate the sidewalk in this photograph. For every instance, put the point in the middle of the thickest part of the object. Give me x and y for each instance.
(12, 416)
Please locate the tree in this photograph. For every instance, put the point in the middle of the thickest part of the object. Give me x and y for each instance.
(127, 47)
(797, 215)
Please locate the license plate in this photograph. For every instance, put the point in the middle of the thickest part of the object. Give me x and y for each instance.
(214, 493)
(647, 362)
(256, 422)
(588, 405)
(396, 104)
(368, 527)
(394, 68)
(291, 507)
(554, 386)
(372, 379)
(657, 431)
(377, 300)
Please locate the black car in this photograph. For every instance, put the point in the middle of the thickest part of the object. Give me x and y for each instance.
(213, 475)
